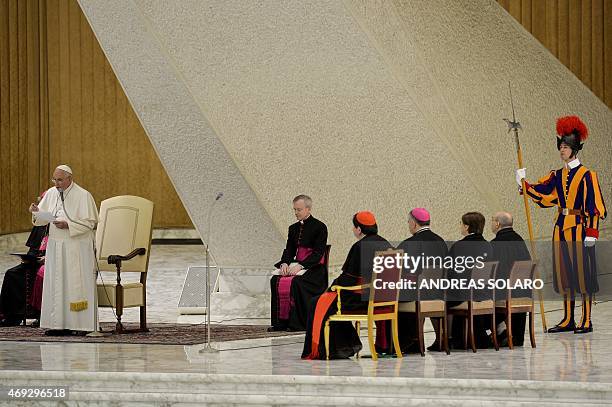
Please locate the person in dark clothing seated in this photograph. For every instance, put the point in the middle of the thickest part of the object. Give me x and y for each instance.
(508, 247)
(301, 272)
(472, 245)
(423, 242)
(13, 293)
(357, 269)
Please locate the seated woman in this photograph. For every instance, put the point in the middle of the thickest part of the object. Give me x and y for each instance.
(473, 245)
(343, 339)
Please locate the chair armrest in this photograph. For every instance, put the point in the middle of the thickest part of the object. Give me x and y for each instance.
(350, 287)
(117, 259)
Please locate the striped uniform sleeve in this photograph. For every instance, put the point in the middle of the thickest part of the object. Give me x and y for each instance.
(543, 192)
(594, 205)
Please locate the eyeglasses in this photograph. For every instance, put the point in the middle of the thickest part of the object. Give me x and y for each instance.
(54, 180)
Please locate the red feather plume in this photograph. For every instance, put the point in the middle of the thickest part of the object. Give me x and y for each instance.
(571, 124)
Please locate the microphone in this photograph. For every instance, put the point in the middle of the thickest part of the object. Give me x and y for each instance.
(219, 196)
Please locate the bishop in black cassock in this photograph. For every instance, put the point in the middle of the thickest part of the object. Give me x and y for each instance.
(423, 242)
(13, 293)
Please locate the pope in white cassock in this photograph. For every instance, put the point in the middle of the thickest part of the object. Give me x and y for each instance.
(69, 286)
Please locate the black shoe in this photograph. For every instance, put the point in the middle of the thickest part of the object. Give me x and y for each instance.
(583, 330)
(294, 330)
(414, 348)
(11, 322)
(277, 329)
(435, 347)
(57, 332)
(556, 329)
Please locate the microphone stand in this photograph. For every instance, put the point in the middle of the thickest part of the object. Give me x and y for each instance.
(207, 347)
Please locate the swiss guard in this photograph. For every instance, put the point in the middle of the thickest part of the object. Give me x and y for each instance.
(576, 193)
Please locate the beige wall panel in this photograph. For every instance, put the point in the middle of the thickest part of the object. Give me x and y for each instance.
(53, 100)
(384, 105)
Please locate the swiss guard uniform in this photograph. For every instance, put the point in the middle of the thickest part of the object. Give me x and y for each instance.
(576, 193)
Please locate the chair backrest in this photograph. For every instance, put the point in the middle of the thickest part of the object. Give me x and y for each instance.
(521, 270)
(389, 278)
(486, 273)
(126, 223)
(431, 275)
(326, 260)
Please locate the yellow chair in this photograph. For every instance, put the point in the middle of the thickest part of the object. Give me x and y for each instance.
(479, 306)
(123, 244)
(521, 270)
(382, 305)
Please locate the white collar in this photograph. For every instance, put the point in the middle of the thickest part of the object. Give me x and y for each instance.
(424, 228)
(573, 164)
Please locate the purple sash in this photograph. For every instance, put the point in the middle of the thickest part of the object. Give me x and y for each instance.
(284, 285)
(284, 296)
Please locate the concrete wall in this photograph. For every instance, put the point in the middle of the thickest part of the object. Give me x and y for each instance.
(361, 104)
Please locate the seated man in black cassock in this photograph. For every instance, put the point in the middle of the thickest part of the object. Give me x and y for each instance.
(301, 271)
(13, 294)
(423, 242)
(508, 247)
(357, 269)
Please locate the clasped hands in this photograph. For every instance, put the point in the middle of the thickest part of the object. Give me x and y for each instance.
(286, 270)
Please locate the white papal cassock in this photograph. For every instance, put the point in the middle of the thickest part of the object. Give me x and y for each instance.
(70, 275)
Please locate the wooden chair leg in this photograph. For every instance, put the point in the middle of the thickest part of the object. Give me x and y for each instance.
(494, 331)
(420, 334)
(358, 329)
(444, 334)
(509, 327)
(143, 319)
(371, 339)
(396, 344)
(326, 337)
(532, 329)
(471, 328)
(465, 332)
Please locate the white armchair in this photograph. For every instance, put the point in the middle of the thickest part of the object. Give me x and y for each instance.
(123, 242)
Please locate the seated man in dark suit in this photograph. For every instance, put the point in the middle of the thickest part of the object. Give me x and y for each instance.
(508, 247)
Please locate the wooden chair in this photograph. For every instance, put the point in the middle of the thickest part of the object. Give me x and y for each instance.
(468, 309)
(521, 270)
(382, 305)
(429, 304)
(123, 243)
(326, 261)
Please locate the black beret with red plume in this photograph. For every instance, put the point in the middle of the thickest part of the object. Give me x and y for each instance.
(571, 131)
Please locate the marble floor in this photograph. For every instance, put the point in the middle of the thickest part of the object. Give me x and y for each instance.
(561, 357)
